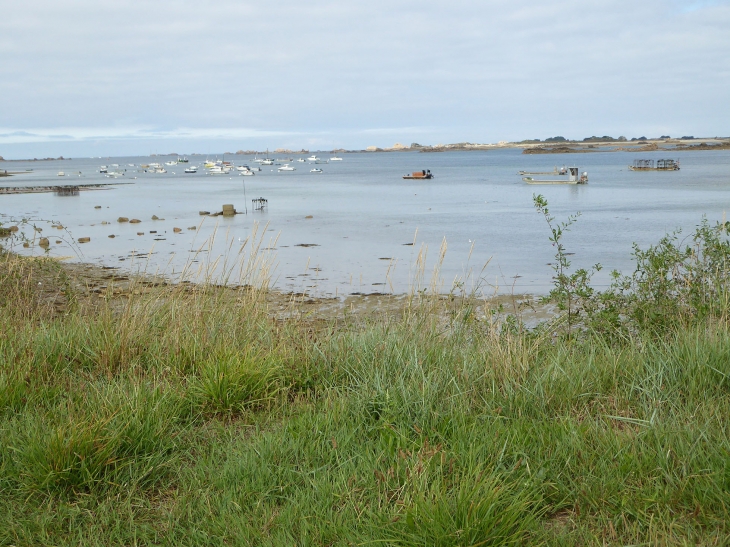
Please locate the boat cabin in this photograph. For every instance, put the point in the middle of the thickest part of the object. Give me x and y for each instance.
(424, 174)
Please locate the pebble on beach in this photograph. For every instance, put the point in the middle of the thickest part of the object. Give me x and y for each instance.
(309, 216)
(177, 230)
(112, 236)
(140, 233)
(135, 221)
(123, 219)
(83, 239)
(43, 242)
(97, 206)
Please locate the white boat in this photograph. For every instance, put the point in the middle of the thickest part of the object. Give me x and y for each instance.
(115, 174)
(103, 169)
(160, 170)
(335, 158)
(267, 160)
(574, 177)
(245, 170)
(302, 160)
(191, 169)
(219, 170)
(286, 167)
(130, 165)
(313, 157)
(61, 174)
(170, 163)
(315, 170)
(155, 165)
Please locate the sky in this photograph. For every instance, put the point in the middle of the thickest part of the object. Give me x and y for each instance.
(84, 78)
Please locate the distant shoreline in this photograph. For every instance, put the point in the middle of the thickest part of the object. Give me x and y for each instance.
(528, 147)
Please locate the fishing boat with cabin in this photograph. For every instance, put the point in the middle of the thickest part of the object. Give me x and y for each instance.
(574, 177)
(425, 174)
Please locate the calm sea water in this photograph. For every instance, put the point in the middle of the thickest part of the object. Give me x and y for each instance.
(364, 214)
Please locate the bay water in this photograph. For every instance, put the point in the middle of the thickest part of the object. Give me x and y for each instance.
(368, 225)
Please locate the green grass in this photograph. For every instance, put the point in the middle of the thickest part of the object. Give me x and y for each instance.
(191, 418)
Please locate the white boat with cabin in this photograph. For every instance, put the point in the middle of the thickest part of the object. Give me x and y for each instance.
(574, 177)
(286, 167)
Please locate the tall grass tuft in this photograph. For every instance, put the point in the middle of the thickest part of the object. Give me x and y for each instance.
(121, 438)
(233, 382)
(472, 510)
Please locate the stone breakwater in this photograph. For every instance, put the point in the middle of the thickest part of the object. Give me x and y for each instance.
(55, 188)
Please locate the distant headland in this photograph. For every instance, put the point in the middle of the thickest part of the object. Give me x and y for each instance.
(561, 145)
(552, 145)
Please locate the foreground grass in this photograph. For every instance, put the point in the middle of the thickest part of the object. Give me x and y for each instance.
(193, 418)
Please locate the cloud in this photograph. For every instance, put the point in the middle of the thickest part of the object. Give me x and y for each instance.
(245, 70)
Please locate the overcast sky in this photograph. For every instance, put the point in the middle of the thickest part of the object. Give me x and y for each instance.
(122, 77)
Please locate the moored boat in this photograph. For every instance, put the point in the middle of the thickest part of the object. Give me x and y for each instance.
(574, 177)
(648, 165)
(316, 170)
(425, 174)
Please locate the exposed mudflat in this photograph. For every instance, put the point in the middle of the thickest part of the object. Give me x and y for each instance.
(91, 285)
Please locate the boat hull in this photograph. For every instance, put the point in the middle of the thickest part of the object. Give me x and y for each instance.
(530, 180)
